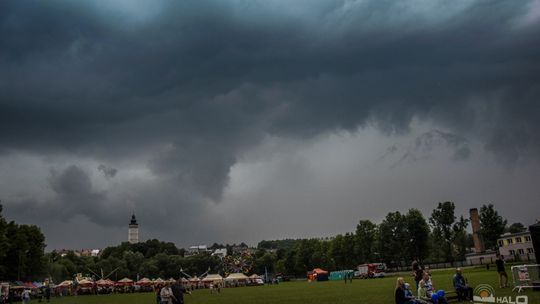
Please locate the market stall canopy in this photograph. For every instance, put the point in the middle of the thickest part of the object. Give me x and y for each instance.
(159, 281)
(65, 284)
(255, 276)
(85, 282)
(102, 283)
(318, 275)
(319, 271)
(125, 281)
(144, 281)
(16, 285)
(213, 278)
(236, 276)
(29, 285)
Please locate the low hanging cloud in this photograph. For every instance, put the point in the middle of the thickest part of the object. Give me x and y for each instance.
(73, 194)
(184, 89)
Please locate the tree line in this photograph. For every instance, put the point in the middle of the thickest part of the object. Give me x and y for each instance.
(21, 251)
(398, 240)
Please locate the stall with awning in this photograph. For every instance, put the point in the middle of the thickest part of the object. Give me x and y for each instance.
(212, 279)
(144, 282)
(104, 283)
(237, 277)
(125, 282)
(65, 284)
(317, 274)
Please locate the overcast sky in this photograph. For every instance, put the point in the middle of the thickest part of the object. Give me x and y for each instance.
(231, 121)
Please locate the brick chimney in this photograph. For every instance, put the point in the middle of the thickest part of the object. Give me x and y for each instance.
(477, 237)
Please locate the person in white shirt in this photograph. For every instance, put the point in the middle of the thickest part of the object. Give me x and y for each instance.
(166, 294)
(25, 295)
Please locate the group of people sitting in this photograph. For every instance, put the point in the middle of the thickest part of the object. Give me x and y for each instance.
(426, 289)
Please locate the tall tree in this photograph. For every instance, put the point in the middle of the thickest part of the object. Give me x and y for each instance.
(516, 228)
(393, 238)
(338, 256)
(442, 220)
(461, 238)
(365, 241)
(303, 257)
(492, 225)
(4, 246)
(418, 235)
(24, 258)
(35, 254)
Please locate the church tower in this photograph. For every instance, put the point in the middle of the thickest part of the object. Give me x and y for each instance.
(133, 231)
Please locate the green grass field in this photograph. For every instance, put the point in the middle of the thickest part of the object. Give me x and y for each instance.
(360, 291)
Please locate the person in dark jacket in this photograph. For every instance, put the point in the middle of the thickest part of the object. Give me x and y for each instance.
(178, 291)
(463, 290)
(418, 273)
(157, 289)
(503, 277)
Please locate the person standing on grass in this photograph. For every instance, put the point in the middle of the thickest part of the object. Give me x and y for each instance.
(25, 295)
(166, 294)
(158, 293)
(48, 291)
(178, 291)
(418, 273)
(501, 271)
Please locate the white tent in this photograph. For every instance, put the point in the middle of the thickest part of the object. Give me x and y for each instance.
(255, 276)
(236, 276)
(213, 278)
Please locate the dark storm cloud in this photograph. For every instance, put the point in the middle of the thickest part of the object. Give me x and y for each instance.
(73, 194)
(209, 79)
(108, 172)
(424, 147)
(71, 73)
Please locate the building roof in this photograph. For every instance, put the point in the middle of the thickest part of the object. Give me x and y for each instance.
(133, 220)
(509, 235)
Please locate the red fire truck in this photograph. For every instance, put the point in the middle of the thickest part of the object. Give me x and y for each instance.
(373, 270)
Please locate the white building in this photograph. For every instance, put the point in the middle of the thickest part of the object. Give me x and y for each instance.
(220, 252)
(133, 231)
(516, 246)
(197, 249)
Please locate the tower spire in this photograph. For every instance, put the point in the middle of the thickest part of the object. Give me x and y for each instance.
(133, 230)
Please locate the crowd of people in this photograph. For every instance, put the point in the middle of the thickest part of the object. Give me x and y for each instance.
(426, 291)
(24, 295)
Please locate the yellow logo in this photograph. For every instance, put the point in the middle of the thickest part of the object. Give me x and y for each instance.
(484, 293)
